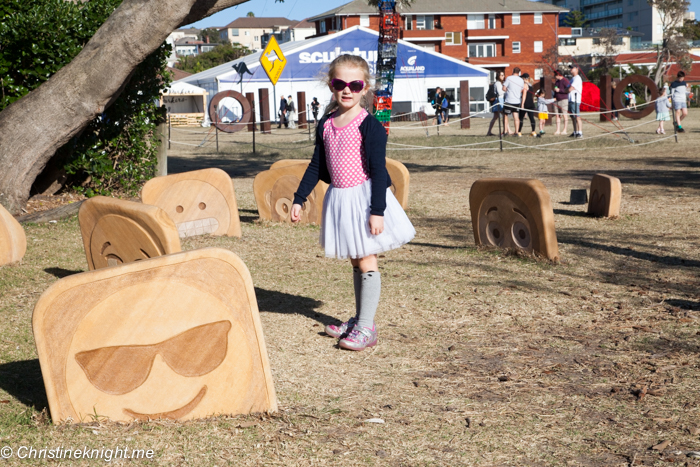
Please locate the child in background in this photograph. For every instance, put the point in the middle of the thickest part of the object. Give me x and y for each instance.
(542, 110)
(663, 105)
(361, 216)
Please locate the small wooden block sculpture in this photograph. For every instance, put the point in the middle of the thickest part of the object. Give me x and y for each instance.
(199, 202)
(400, 179)
(606, 194)
(513, 213)
(13, 241)
(274, 192)
(176, 337)
(116, 232)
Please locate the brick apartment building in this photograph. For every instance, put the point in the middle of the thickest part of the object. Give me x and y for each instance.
(498, 35)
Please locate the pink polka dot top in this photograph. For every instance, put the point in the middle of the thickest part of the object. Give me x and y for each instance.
(345, 154)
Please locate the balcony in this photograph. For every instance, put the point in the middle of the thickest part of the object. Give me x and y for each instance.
(486, 34)
(604, 14)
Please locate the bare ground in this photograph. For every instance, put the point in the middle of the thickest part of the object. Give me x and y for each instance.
(485, 358)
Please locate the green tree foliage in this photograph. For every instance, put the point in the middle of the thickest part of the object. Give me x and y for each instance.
(220, 55)
(691, 30)
(575, 19)
(212, 34)
(117, 150)
(250, 14)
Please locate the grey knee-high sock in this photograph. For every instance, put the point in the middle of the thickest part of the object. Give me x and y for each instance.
(357, 283)
(369, 298)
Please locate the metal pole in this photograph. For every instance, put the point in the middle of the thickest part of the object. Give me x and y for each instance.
(500, 133)
(675, 125)
(216, 128)
(308, 122)
(170, 127)
(274, 102)
(254, 126)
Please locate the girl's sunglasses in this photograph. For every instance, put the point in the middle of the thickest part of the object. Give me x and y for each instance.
(355, 86)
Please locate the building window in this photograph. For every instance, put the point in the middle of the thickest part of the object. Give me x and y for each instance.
(408, 23)
(453, 38)
(538, 18)
(516, 47)
(492, 21)
(234, 32)
(323, 25)
(567, 41)
(256, 38)
(364, 20)
(538, 46)
(516, 18)
(482, 50)
(475, 22)
(631, 3)
(247, 33)
(539, 73)
(424, 22)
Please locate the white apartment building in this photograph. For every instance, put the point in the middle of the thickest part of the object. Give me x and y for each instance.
(248, 30)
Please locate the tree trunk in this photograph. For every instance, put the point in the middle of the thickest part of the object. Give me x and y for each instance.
(34, 127)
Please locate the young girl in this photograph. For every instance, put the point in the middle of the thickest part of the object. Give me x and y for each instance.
(662, 107)
(361, 216)
(542, 110)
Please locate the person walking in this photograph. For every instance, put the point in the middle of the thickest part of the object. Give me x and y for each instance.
(314, 109)
(361, 216)
(514, 88)
(436, 103)
(679, 96)
(542, 110)
(283, 113)
(615, 113)
(445, 107)
(662, 107)
(291, 112)
(561, 94)
(496, 92)
(528, 109)
(575, 94)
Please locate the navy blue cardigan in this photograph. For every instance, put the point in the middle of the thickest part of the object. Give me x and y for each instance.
(374, 141)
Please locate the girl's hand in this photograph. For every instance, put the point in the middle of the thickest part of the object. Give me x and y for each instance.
(376, 224)
(295, 215)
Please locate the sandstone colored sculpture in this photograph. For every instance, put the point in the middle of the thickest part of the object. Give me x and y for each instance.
(606, 194)
(199, 202)
(176, 337)
(13, 241)
(274, 193)
(513, 213)
(117, 232)
(400, 179)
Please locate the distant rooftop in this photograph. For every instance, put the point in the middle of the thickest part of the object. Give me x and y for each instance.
(357, 7)
(252, 22)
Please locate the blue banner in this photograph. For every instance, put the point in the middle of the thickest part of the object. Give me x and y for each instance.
(310, 61)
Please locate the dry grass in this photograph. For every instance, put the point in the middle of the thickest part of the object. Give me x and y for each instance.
(485, 358)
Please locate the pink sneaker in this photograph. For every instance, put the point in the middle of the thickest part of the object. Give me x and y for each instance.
(359, 338)
(341, 330)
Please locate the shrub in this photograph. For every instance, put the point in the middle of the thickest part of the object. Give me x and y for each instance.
(117, 150)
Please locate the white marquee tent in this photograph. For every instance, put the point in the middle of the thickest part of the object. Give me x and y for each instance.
(418, 71)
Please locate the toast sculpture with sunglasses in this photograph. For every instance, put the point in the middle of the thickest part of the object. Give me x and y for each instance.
(175, 337)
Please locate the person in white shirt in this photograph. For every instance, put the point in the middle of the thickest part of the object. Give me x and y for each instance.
(575, 93)
(514, 88)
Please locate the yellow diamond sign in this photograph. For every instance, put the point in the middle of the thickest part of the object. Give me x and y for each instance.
(272, 60)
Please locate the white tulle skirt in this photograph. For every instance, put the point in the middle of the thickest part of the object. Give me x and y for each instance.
(345, 227)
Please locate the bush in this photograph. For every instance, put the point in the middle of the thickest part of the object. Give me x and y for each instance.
(117, 150)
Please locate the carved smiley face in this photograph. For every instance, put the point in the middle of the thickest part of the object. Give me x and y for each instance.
(281, 199)
(196, 207)
(175, 337)
(199, 202)
(173, 367)
(504, 222)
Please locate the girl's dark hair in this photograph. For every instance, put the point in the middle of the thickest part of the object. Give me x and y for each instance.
(539, 92)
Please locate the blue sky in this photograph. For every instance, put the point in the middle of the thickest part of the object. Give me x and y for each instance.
(294, 9)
